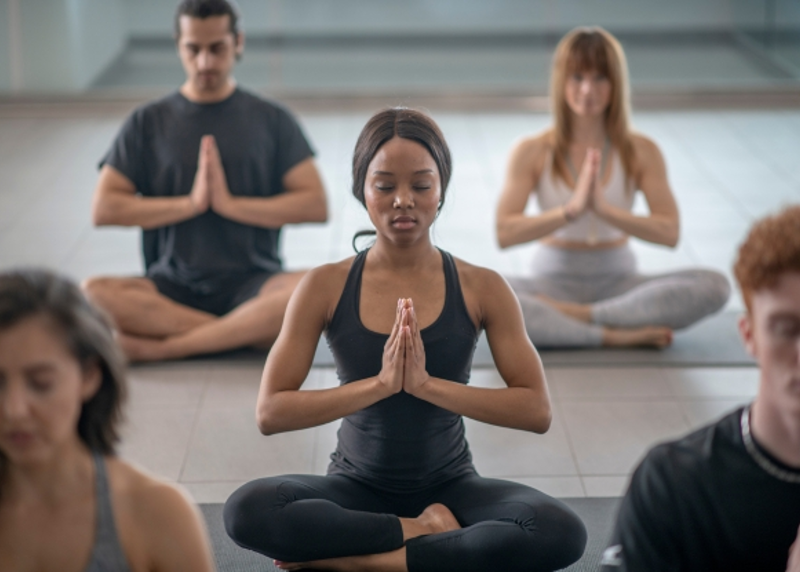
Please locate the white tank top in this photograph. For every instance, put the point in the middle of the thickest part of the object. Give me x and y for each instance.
(553, 193)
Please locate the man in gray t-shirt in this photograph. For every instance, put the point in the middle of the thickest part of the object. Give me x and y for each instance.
(210, 173)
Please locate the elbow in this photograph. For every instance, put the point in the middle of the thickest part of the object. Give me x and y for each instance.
(317, 210)
(541, 420)
(672, 236)
(265, 420)
(100, 215)
(503, 236)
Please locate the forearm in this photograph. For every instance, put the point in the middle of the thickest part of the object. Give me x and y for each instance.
(519, 228)
(659, 229)
(277, 210)
(299, 409)
(514, 407)
(146, 212)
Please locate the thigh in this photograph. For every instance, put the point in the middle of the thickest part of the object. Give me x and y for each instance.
(474, 499)
(505, 526)
(297, 518)
(186, 296)
(262, 284)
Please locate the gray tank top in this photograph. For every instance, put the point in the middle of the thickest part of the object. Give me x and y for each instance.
(107, 554)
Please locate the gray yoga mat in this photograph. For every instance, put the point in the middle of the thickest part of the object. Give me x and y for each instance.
(597, 513)
(714, 342)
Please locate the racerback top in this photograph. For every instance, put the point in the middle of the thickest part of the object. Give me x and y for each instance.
(402, 443)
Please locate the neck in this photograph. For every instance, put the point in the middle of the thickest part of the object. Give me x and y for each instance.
(54, 480)
(224, 92)
(405, 257)
(776, 431)
(588, 131)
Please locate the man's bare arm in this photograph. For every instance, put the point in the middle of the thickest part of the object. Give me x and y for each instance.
(116, 203)
(303, 199)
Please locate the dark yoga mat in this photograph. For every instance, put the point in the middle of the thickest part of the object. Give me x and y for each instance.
(597, 513)
(713, 342)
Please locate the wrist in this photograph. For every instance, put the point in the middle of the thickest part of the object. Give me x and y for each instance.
(568, 214)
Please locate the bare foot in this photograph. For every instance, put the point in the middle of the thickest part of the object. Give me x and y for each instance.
(582, 312)
(141, 349)
(651, 336)
(437, 518)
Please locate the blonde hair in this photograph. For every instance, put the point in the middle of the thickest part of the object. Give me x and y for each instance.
(591, 49)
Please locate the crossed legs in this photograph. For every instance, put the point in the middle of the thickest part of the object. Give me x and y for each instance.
(470, 523)
(152, 327)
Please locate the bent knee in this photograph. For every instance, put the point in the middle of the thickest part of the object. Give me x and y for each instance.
(243, 511)
(717, 289)
(558, 536)
(251, 515)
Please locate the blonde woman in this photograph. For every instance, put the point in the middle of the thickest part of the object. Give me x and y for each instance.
(584, 172)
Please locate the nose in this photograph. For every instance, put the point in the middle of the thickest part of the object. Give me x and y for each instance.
(404, 198)
(204, 59)
(13, 400)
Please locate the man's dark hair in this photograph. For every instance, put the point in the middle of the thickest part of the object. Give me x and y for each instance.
(206, 9)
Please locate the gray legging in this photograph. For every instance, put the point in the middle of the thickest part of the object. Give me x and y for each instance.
(618, 295)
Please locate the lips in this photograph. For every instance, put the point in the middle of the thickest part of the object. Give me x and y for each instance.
(19, 438)
(404, 222)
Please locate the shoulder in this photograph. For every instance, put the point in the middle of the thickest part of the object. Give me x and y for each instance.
(644, 147)
(158, 524)
(329, 275)
(270, 107)
(534, 146)
(320, 289)
(678, 467)
(148, 501)
(478, 278)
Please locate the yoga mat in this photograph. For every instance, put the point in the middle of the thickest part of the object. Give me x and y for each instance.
(598, 515)
(714, 342)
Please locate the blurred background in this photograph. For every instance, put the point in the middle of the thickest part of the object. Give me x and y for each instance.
(716, 83)
(333, 50)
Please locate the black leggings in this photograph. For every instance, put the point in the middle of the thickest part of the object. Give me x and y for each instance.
(506, 526)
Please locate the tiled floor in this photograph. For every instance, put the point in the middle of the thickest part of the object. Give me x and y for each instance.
(194, 422)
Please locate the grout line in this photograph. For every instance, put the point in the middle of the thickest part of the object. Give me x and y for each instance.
(195, 420)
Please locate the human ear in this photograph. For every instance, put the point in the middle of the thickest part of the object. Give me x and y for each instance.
(746, 332)
(92, 378)
(239, 45)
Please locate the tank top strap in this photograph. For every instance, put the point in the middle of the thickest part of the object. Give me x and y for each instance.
(107, 554)
(454, 303)
(350, 299)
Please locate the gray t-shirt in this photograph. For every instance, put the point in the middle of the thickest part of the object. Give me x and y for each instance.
(157, 149)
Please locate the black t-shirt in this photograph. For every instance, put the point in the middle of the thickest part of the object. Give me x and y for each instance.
(157, 149)
(702, 503)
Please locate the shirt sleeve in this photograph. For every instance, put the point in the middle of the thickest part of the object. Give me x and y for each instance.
(126, 152)
(646, 535)
(292, 146)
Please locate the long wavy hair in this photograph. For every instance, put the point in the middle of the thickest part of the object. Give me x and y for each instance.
(591, 50)
(86, 333)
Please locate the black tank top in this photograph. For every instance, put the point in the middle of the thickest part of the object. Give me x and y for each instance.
(402, 443)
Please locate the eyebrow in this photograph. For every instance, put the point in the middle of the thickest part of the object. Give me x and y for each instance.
(420, 172)
(40, 367)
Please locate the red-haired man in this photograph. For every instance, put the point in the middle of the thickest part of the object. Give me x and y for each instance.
(727, 497)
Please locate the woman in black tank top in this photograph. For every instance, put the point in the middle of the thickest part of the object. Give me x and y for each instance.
(402, 319)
